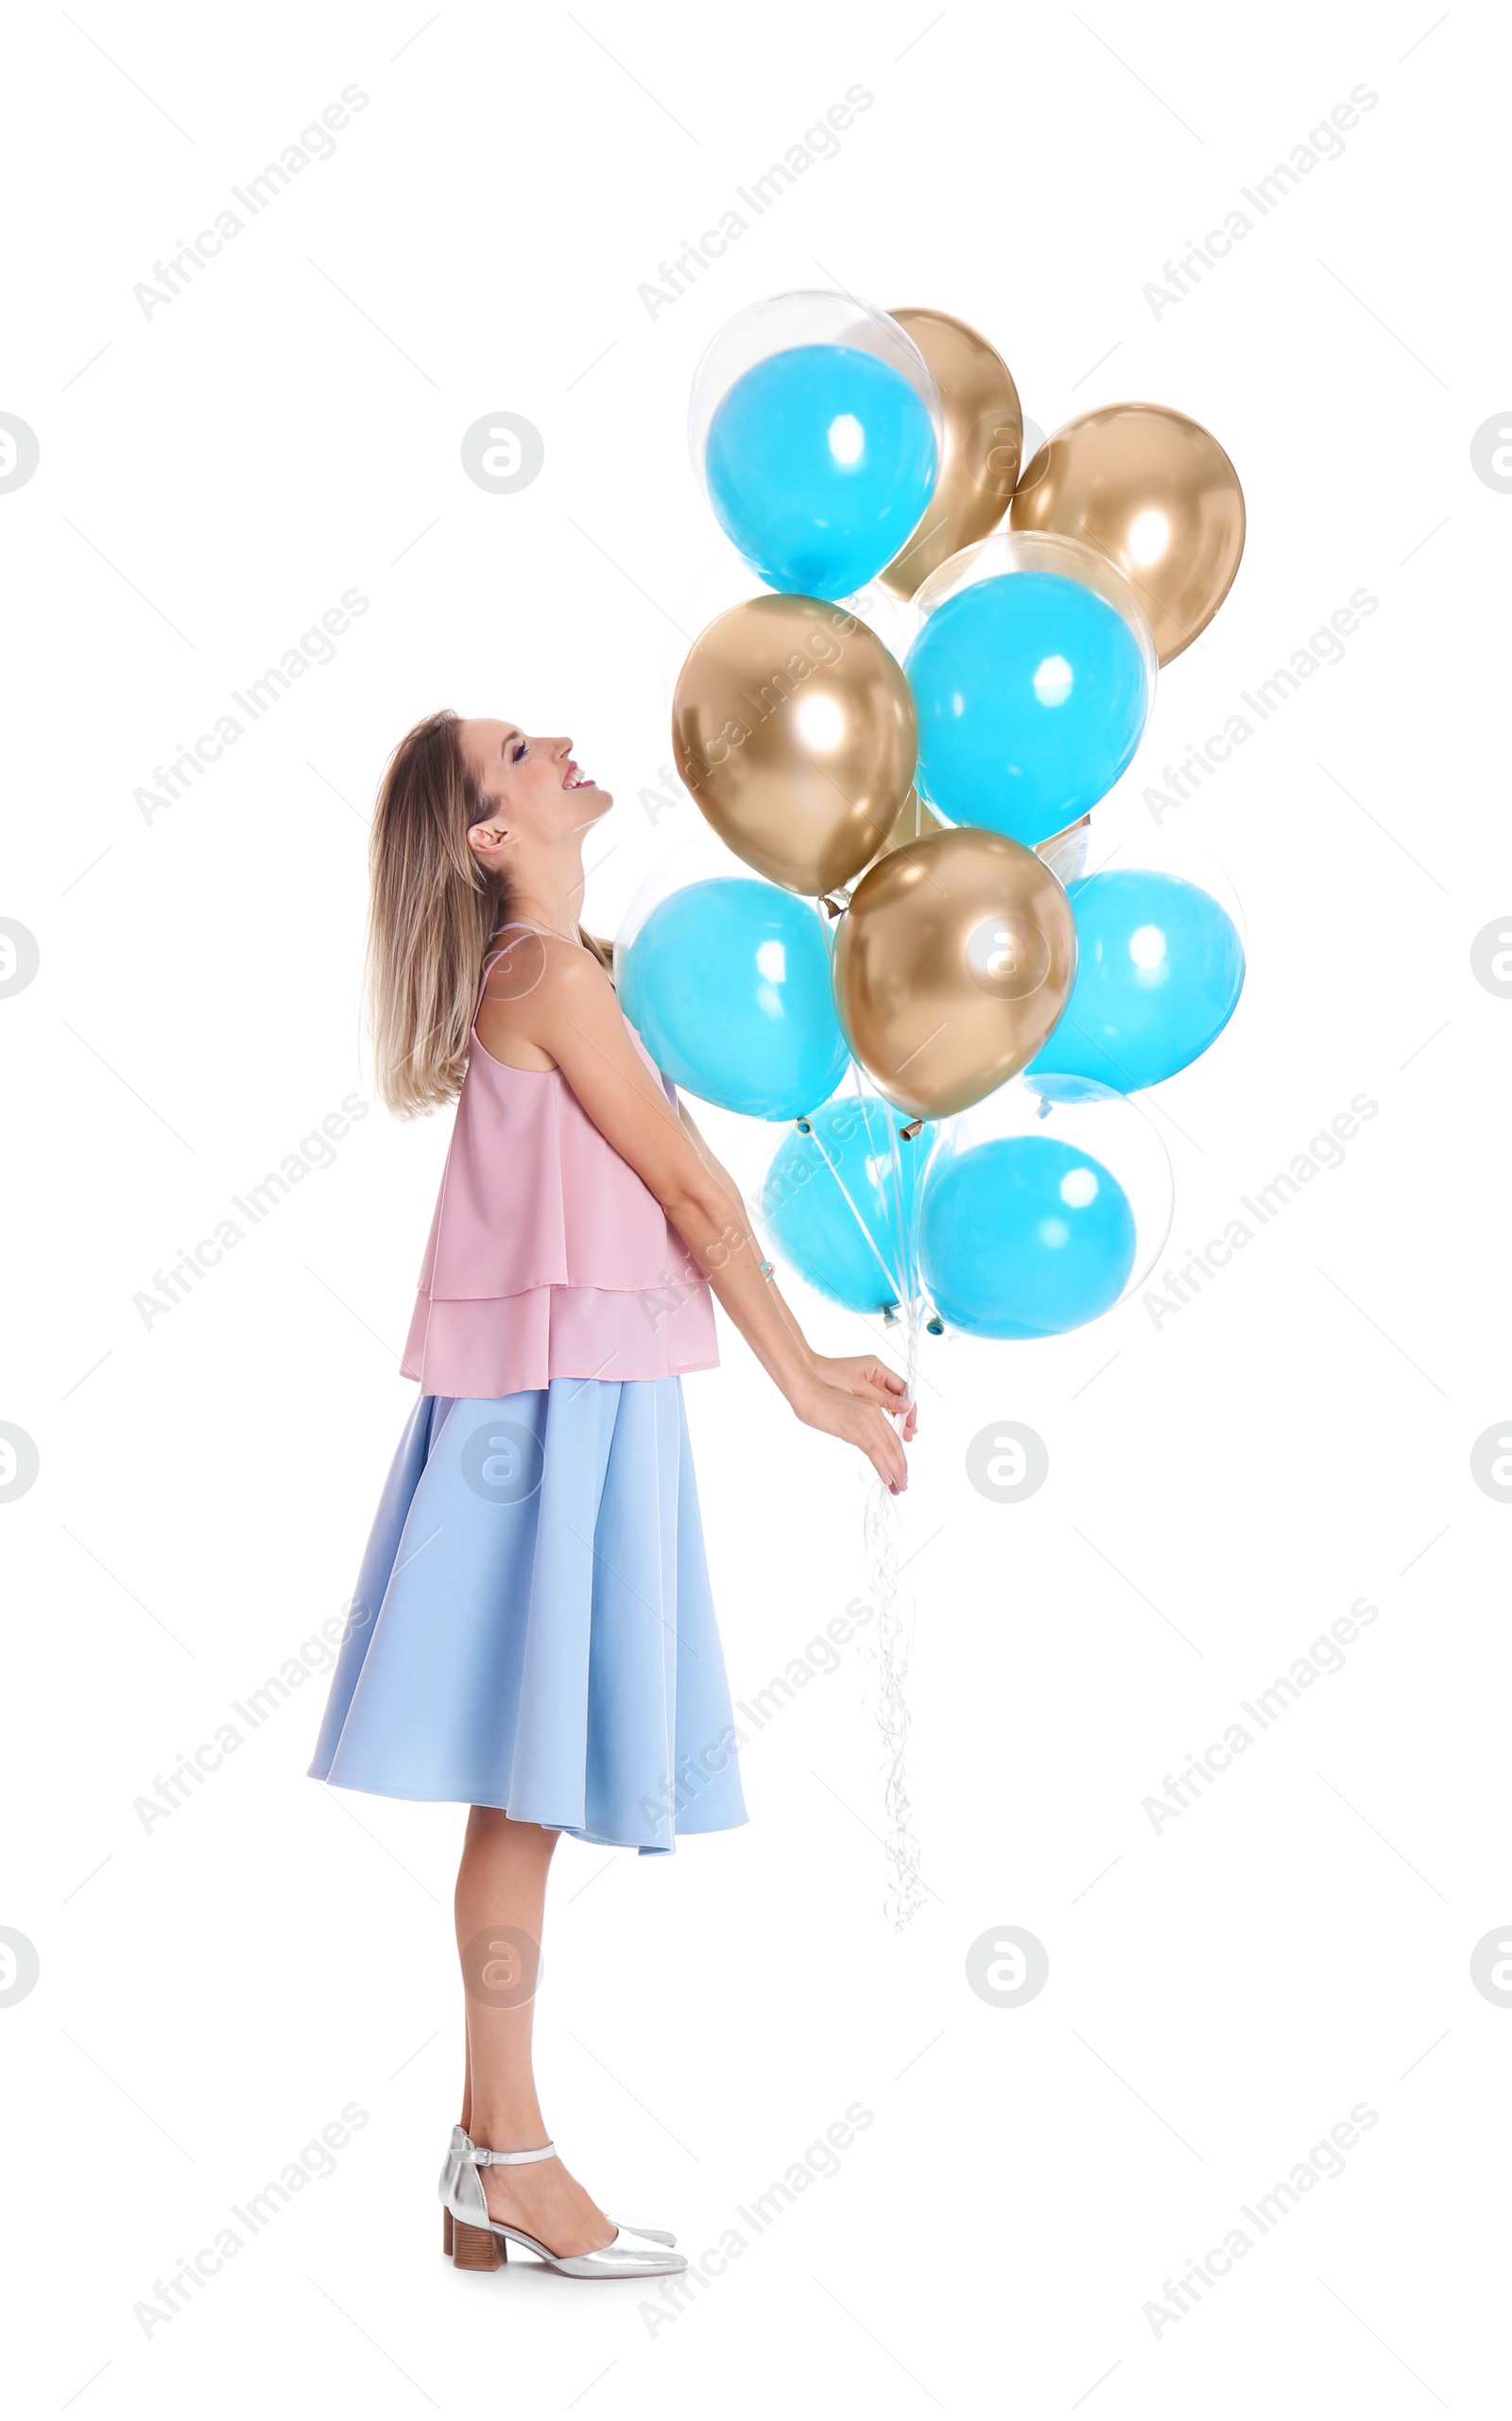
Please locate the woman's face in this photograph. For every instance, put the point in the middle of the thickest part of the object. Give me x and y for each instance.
(535, 788)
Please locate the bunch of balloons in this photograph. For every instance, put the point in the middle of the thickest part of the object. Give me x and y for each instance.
(906, 956)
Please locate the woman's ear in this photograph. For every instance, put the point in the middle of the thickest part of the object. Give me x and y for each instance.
(486, 839)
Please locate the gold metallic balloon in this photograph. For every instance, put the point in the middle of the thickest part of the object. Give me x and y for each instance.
(951, 964)
(1152, 490)
(984, 441)
(794, 728)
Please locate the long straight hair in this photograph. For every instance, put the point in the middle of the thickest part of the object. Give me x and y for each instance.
(431, 910)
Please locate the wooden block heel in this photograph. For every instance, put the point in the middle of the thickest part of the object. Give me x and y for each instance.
(446, 2232)
(476, 2248)
(474, 2243)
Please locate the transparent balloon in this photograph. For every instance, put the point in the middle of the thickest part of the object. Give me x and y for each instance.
(1033, 674)
(815, 428)
(727, 980)
(1003, 551)
(1121, 833)
(895, 620)
(1126, 837)
(1040, 1210)
(1067, 853)
(701, 857)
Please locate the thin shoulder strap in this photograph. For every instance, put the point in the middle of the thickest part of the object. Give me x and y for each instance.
(493, 955)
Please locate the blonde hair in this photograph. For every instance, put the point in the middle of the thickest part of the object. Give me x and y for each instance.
(431, 910)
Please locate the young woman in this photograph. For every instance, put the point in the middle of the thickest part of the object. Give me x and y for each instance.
(532, 1633)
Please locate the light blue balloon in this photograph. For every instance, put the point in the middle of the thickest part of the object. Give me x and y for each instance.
(839, 1205)
(1160, 969)
(819, 462)
(1024, 1237)
(1031, 692)
(728, 983)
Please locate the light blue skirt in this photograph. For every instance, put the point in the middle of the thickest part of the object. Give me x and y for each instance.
(533, 1627)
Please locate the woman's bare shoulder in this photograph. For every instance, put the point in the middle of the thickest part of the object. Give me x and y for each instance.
(540, 988)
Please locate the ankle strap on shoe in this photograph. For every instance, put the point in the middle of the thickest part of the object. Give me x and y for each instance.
(482, 2160)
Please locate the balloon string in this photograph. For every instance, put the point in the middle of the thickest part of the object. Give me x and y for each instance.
(903, 1276)
(890, 1274)
(906, 1889)
(905, 1238)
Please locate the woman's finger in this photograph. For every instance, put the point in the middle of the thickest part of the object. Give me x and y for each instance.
(890, 1458)
(879, 1386)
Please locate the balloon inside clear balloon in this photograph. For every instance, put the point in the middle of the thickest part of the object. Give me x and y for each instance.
(727, 980)
(815, 427)
(838, 1201)
(1040, 1210)
(1033, 675)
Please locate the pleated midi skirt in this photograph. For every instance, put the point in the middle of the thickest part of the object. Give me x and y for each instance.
(533, 1627)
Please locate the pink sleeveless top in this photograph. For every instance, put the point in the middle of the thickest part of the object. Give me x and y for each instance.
(548, 1257)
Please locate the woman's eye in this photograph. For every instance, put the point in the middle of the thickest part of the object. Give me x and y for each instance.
(519, 753)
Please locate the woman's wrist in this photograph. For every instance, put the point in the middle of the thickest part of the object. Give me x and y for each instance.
(809, 1361)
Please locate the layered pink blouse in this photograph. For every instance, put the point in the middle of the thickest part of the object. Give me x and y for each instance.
(548, 1257)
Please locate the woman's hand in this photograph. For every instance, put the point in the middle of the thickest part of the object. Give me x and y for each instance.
(868, 1376)
(844, 1412)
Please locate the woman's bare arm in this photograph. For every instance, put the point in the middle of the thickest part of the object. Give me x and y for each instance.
(860, 1374)
(574, 1015)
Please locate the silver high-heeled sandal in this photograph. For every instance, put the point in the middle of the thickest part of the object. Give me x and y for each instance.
(476, 2241)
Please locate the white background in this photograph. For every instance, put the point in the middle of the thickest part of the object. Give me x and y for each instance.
(1221, 1488)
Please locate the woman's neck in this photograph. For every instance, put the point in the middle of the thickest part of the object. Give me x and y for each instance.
(559, 922)
(551, 897)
